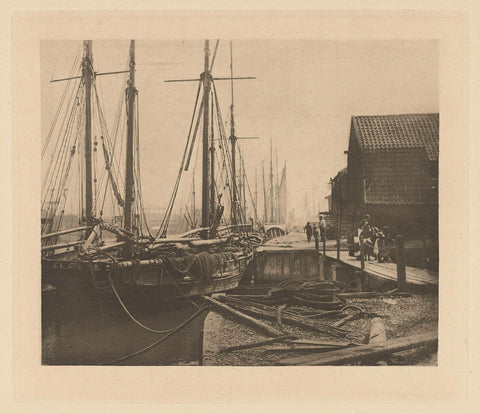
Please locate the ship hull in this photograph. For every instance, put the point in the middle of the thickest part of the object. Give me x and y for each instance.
(84, 318)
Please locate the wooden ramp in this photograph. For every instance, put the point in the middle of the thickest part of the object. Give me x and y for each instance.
(415, 276)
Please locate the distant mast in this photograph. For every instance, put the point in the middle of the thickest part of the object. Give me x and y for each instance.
(87, 76)
(271, 183)
(129, 180)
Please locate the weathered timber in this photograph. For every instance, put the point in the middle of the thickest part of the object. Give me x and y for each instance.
(256, 344)
(368, 295)
(302, 349)
(61, 245)
(248, 319)
(377, 336)
(279, 318)
(94, 235)
(378, 332)
(293, 320)
(388, 271)
(59, 233)
(352, 354)
(111, 246)
(322, 343)
(318, 304)
(348, 318)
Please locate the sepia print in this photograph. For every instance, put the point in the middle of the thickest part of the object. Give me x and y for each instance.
(239, 202)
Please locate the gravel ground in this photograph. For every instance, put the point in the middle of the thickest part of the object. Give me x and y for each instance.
(403, 317)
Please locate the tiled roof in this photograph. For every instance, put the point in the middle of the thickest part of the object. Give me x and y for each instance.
(384, 132)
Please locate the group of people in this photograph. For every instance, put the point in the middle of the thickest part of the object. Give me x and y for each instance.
(376, 242)
(319, 233)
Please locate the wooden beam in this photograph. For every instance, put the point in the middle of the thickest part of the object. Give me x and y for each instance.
(67, 231)
(352, 354)
(368, 295)
(256, 344)
(61, 245)
(245, 318)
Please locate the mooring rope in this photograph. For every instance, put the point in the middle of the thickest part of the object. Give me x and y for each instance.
(122, 304)
(130, 315)
(162, 339)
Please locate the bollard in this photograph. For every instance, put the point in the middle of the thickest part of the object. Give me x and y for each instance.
(401, 271)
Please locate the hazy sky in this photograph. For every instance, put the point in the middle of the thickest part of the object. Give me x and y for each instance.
(303, 98)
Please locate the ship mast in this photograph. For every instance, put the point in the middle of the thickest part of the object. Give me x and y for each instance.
(206, 79)
(87, 76)
(129, 180)
(233, 141)
(208, 183)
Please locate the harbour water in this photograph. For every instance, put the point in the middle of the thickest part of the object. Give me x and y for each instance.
(99, 331)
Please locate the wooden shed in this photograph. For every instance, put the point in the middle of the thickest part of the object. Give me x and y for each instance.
(392, 174)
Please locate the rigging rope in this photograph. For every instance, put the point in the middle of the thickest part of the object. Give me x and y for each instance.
(166, 219)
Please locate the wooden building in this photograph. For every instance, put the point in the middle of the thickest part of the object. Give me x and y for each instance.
(392, 175)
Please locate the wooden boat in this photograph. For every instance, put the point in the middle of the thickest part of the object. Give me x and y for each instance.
(132, 261)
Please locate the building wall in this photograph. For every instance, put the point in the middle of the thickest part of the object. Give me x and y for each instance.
(401, 176)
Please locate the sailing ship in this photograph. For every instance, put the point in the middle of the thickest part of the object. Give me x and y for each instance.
(123, 255)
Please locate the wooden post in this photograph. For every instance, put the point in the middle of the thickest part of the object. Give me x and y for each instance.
(378, 332)
(334, 271)
(401, 270)
(378, 335)
(358, 281)
(362, 255)
(321, 268)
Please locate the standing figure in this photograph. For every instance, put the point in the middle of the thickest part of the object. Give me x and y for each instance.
(308, 229)
(385, 243)
(365, 222)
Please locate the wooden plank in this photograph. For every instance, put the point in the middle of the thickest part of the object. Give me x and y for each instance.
(388, 270)
(352, 354)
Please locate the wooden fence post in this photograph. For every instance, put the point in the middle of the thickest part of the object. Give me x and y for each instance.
(362, 255)
(401, 270)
